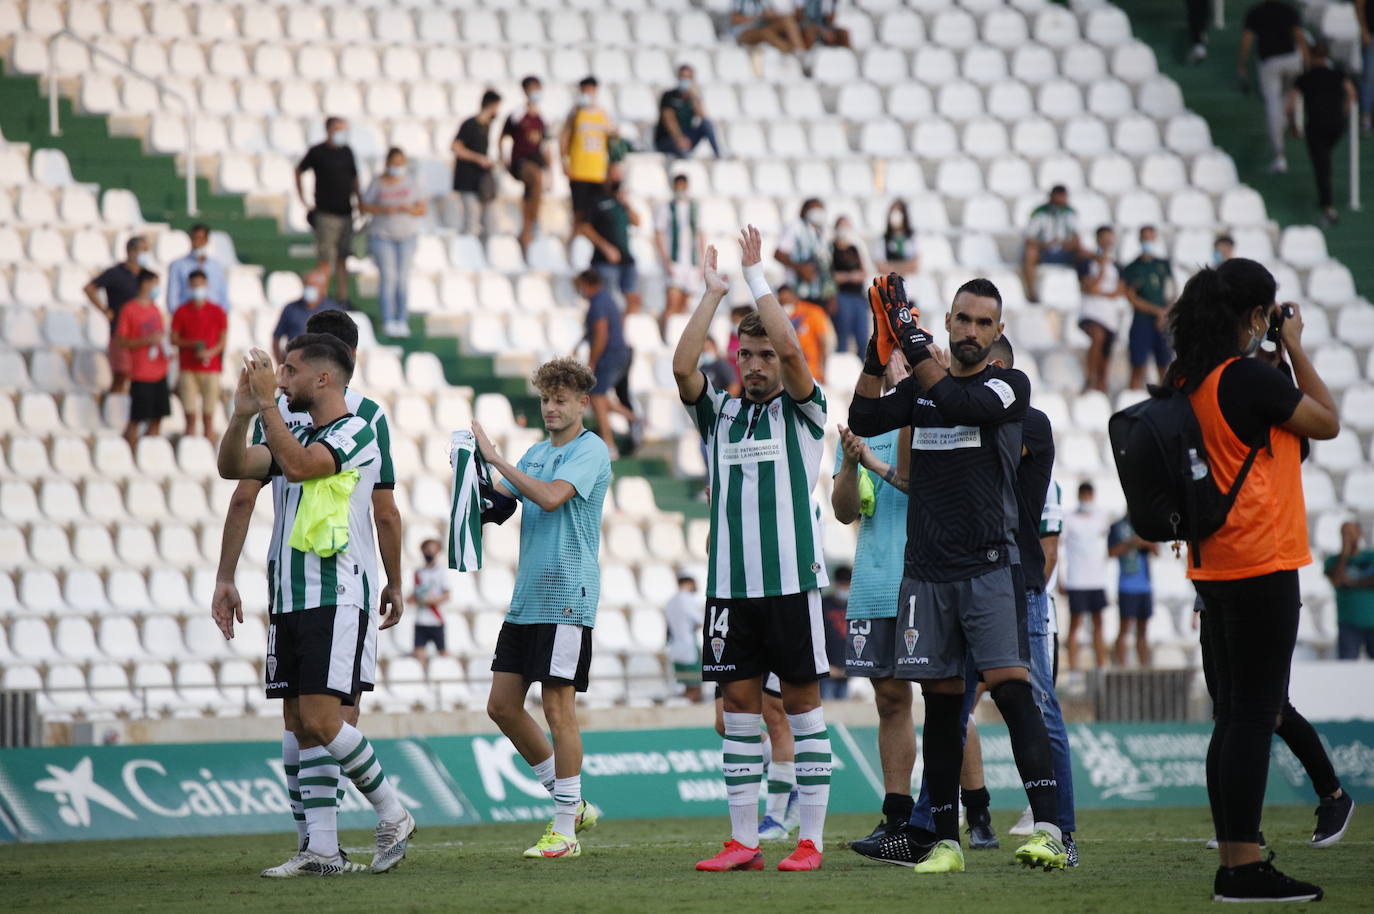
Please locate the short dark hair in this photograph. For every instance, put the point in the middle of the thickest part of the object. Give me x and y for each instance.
(146, 275)
(982, 287)
(751, 325)
(490, 97)
(681, 176)
(198, 227)
(530, 81)
(335, 323)
(1103, 228)
(321, 346)
(195, 274)
(1002, 351)
(810, 202)
(1058, 189)
(394, 151)
(588, 82)
(685, 66)
(590, 277)
(1086, 488)
(330, 121)
(134, 242)
(1224, 239)
(1146, 228)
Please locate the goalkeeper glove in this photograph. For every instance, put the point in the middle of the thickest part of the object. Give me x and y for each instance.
(901, 318)
(882, 341)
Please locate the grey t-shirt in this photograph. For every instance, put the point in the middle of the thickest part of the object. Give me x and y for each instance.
(397, 226)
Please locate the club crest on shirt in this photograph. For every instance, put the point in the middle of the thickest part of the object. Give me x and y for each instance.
(718, 647)
(859, 642)
(911, 636)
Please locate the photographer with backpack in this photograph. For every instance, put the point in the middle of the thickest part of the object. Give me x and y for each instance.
(1245, 570)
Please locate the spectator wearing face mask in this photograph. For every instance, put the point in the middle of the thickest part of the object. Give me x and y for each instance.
(528, 163)
(120, 285)
(677, 232)
(199, 259)
(140, 334)
(331, 213)
(430, 595)
(1223, 249)
(585, 147)
(852, 270)
(1104, 294)
(1149, 288)
(199, 331)
(682, 121)
(395, 203)
(291, 324)
(899, 241)
(803, 251)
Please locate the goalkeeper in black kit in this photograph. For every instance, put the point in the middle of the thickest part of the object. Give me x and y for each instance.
(961, 585)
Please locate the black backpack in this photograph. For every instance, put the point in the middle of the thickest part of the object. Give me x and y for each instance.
(1171, 494)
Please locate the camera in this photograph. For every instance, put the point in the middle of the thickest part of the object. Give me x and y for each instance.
(1281, 314)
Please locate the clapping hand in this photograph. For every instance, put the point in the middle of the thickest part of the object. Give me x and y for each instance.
(717, 283)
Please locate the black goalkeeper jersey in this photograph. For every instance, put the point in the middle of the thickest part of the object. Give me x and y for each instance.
(1032, 487)
(965, 450)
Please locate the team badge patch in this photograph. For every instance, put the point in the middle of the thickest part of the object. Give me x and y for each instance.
(911, 636)
(859, 642)
(271, 667)
(718, 647)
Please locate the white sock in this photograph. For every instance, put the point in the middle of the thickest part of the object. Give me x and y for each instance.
(742, 766)
(1051, 828)
(544, 772)
(567, 796)
(291, 764)
(813, 772)
(319, 781)
(359, 764)
(782, 779)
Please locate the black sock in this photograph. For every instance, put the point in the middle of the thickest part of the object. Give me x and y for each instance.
(943, 754)
(976, 800)
(1030, 745)
(1302, 738)
(897, 808)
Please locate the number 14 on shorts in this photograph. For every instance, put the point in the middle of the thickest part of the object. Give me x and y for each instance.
(717, 629)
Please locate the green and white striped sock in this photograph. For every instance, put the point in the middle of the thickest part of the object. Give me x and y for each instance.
(319, 780)
(813, 772)
(291, 765)
(359, 763)
(782, 780)
(742, 764)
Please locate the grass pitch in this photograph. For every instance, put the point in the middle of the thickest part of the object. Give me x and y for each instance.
(1150, 860)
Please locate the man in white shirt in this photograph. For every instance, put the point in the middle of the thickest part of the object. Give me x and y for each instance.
(1103, 306)
(1083, 564)
(683, 615)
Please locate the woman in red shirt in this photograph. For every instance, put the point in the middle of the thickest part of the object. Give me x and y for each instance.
(1247, 572)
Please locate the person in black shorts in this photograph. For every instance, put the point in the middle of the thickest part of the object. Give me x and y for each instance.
(962, 588)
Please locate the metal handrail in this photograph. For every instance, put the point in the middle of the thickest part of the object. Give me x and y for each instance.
(55, 129)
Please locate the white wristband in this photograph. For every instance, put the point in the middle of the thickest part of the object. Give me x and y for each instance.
(757, 282)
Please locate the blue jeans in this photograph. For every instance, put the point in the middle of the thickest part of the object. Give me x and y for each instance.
(1042, 647)
(1349, 640)
(1367, 82)
(852, 321)
(703, 130)
(393, 269)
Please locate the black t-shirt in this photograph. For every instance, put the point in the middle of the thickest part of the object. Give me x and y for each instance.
(1032, 487)
(475, 135)
(610, 221)
(843, 259)
(120, 285)
(1273, 24)
(1323, 98)
(682, 108)
(1254, 396)
(965, 449)
(336, 172)
(898, 246)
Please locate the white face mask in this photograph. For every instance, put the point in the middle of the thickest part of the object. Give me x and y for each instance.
(338, 137)
(145, 260)
(310, 295)
(684, 85)
(200, 293)
(586, 99)
(155, 293)
(535, 96)
(202, 251)
(816, 216)
(396, 171)
(894, 220)
(847, 234)
(1152, 249)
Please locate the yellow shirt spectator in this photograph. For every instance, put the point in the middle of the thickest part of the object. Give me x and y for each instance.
(588, 153)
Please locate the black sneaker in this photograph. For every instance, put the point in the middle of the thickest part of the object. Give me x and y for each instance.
(1260, 882)
(902, 845)
(1333, 818)
(1071, 848)
(981, 837)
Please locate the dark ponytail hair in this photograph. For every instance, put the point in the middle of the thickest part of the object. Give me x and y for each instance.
(1205, 319)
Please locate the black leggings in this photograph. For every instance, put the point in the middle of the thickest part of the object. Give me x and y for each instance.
(1198, 11)
(1248, 629)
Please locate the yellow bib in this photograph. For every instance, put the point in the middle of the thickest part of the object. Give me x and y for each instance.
(321, 523)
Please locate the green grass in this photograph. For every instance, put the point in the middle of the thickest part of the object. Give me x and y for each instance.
(1138, 860)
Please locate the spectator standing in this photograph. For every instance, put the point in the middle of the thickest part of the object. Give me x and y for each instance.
(585, 147)
(200, 329)
(1104, 295)
(1274, 29)
(473, 177)
(608, 356)
(756, 22)
(852, 270)
(607, 227)
(393, 201)
(677, 232)
(1327, 94)
(1352, 574)
(814, 330)
(1134, 593)
(834, 606)
(899, 241)
(120, 285)
(430, 595)
(1149, 283)
(817, 20)
(1051, 237)
(140, 333)
(291, 323)
(1223, 249)
(683, 616)
(199, 259)
(1083, 572)
(528, 163)
(331, 214)
(803, 251)
(682, 121)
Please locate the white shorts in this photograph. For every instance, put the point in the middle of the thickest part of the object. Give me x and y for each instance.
(685, 276)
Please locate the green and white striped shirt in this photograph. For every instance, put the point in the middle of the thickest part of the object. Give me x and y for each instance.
(677, 221)
(304, 580)
(364, 408)
(763, 460)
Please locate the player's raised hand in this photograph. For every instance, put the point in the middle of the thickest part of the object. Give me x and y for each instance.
(391, 604)
(262, 377)
(750, 246)
(245, 404)
(225, 607)
(716, 282)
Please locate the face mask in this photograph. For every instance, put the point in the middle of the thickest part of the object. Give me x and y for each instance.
(684, 85)
(396, 171)
(848, 235)
(1084, 507)
(586, 100)
(200, 293)
(155, 294)
(338, 137)
(430, 557)
(679, 195)
(842, 593)
(1255, 339)
(201, 252)
(145, 260)
(816, 216)
(894, 220)
(1217, 258)
(1152, 249)
(535, 96)
(311, 295)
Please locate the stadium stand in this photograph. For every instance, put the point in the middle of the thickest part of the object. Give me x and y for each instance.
(969, 112)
